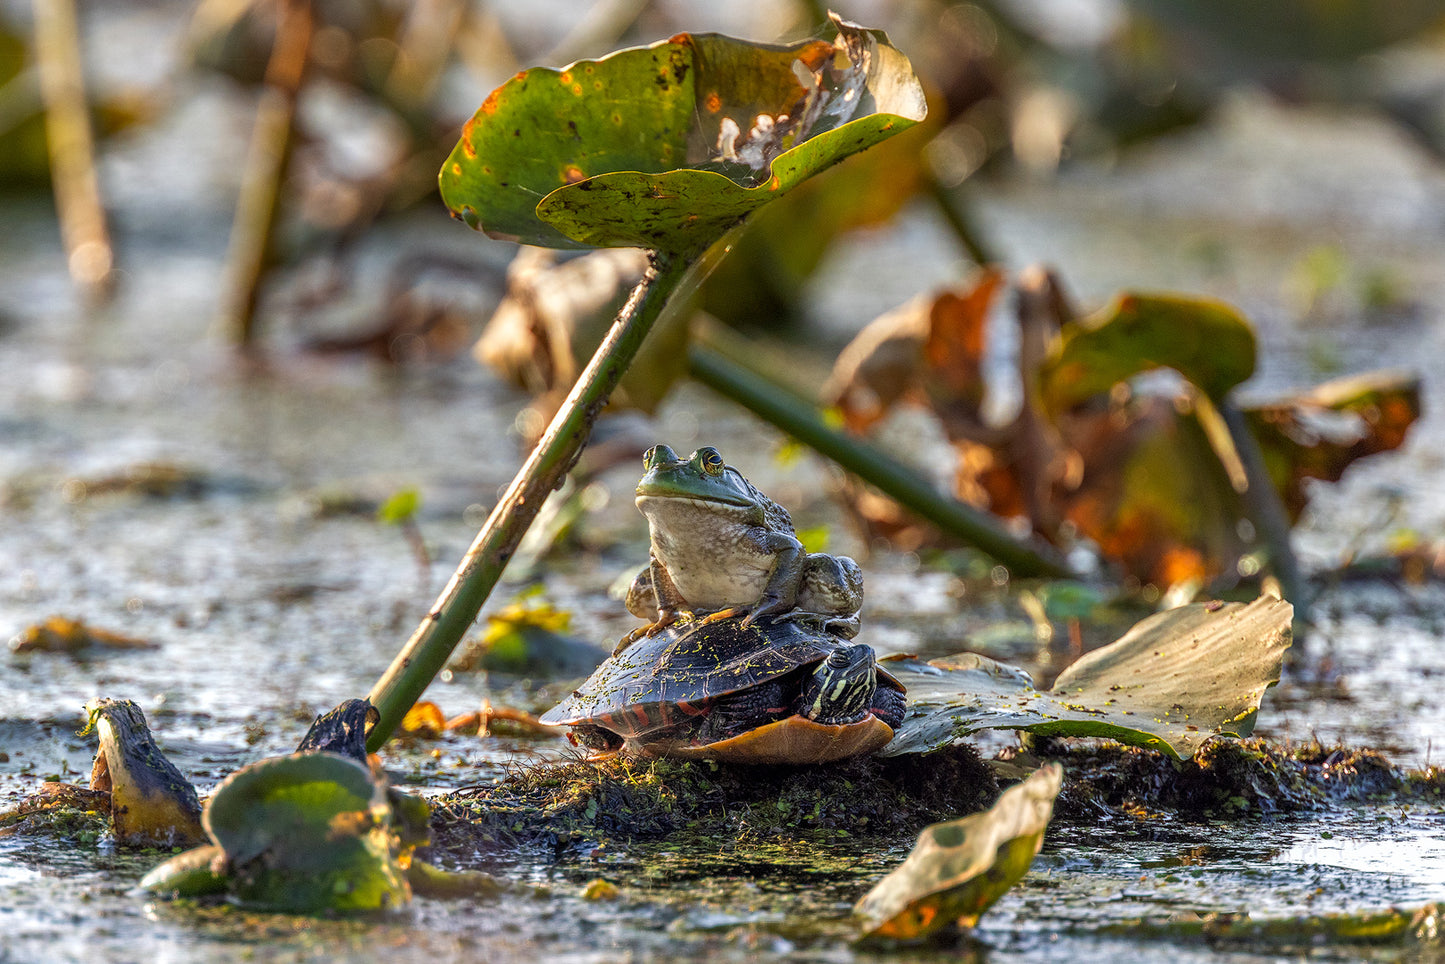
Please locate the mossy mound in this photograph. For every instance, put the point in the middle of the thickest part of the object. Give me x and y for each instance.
(569, 807)
(1230, 777)
(566, 805)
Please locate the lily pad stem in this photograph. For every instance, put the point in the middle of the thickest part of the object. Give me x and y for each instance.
(1265, 509)
(71, 145)
(801, 420)
(545, 470)
(273, 138)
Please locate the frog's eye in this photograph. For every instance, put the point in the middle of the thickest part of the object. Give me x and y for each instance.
(656, 456)
(712, 462)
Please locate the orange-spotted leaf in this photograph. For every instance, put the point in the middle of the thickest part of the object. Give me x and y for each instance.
(669, 146)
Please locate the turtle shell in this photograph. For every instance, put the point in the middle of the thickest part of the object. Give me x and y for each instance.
(654, 692)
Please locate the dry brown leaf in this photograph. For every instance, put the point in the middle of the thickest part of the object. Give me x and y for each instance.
(555, 314)
(59, 634)
(424, 720)
(1317, 434)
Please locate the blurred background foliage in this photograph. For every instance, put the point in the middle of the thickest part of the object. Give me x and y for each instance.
(357, 102)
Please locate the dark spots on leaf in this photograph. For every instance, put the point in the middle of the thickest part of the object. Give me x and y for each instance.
(617, 119)
(572, 126)
(679, 70)
(487, 171)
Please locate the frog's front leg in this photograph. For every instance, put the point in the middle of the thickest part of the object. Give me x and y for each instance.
(652, 596)
(781, 593)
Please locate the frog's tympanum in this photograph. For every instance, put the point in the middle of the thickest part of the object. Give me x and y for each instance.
(721, 546)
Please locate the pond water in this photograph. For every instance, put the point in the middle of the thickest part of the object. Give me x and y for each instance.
(271, 601)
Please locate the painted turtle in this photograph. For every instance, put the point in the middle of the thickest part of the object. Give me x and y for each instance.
(785, 692)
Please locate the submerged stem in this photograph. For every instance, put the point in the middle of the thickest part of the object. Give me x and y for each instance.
(545, 469)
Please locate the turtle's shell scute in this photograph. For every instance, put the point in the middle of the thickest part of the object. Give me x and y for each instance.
(690, 664)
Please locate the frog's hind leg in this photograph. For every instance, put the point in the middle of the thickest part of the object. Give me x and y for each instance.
(654, 597)
(722, 614)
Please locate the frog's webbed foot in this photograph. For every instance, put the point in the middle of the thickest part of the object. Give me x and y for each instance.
(769, 607)
(665, 618)
(845, 626)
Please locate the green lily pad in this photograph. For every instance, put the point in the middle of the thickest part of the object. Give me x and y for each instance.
(670, 145)
(958, 869)
(306, 833)
(1208, 342)
(198, 872)
(1172, 682)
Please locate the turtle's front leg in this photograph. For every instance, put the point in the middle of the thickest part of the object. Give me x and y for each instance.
(742, 711)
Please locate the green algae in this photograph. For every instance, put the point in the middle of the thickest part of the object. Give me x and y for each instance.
(556, 805)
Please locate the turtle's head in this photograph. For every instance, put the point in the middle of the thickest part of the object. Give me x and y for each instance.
(841, 689)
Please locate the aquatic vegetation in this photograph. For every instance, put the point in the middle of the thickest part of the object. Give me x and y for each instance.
(1173, 682)
(959, 868)
(305, 833)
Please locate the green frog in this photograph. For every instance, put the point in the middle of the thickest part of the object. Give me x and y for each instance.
(720, 547)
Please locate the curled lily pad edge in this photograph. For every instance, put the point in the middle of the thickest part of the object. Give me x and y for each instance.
(784, 171)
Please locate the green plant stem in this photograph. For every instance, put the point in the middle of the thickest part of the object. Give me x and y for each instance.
(545, 469)
(72, 149)
(269, 156)
(955, 214)
(800, 419)
(1266, 510)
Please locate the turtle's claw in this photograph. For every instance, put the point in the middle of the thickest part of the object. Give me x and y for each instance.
(602, 756)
